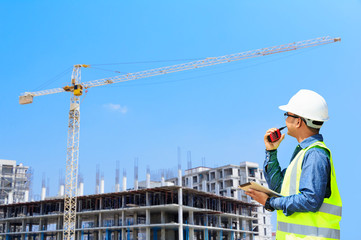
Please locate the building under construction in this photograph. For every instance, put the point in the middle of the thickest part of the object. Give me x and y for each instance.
(15, 182)
(168, 212)
(224, 181)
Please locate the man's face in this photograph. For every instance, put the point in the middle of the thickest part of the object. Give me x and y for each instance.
(292, 122)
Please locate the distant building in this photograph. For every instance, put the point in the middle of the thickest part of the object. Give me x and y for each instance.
(224, 181)
(14, 182)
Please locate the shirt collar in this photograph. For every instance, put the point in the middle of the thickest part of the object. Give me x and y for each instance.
(308, 141)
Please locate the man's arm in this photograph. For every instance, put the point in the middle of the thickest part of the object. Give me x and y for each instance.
(313, 184)
(271, 167)
(273, 173)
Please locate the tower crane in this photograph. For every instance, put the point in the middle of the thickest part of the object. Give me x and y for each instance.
(76, 87)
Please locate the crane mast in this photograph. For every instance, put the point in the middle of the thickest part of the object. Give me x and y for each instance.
(76, 88)
(71, 176)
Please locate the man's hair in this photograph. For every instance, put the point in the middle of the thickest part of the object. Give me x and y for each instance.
(314, 130)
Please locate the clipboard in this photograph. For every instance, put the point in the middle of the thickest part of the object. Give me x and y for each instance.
(258, 187)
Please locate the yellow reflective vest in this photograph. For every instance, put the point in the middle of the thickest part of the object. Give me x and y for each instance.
(323, 224)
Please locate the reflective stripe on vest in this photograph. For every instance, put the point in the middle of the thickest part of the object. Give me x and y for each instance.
(293, 182)
(323, 224)
(308, 230)
(331, 209)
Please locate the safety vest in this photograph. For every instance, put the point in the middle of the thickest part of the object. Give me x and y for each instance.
(323, 224)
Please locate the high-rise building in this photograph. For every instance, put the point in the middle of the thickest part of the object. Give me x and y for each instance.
(14, 182)
(224, 181)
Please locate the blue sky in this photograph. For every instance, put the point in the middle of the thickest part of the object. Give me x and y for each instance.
(220, 112)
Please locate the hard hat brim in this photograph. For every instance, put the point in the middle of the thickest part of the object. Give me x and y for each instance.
(285, 108)
(288, 108)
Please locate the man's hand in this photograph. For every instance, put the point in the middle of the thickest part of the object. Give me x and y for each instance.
(260, 197)
(272, 146)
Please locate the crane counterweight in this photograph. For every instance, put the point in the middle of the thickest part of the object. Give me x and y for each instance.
(26, 99)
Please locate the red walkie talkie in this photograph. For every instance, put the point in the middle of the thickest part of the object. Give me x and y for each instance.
(276, 135)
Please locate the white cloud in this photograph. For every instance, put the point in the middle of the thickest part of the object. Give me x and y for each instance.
(116, 108)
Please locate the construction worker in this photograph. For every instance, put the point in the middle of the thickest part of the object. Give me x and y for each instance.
(311, 205)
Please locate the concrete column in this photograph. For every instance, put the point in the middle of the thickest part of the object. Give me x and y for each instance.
(124, 185)
(238, 194)
(116, 219)
(78, 234)
(41, 209)
(147, 222)
(244, 226)
(180, 213)
(204, 186)
(102, 186)
(190, 182)
(191, 222)
(11, 198)
(101, 203)
(238, 228)
(26, 196)
(59, 227)
(230, 227)
(135, 231)
(147, 216)
(206, 224)
(78, 225)
(179, 177)
(100, 224)
(191, 217)
(23, 229)
(43, 193)
(218, 234)
(162, 182)
(117, 189)
(249, 236)
(124, 230)
(217, 188)
(6, 230)
(147, 199)
(40, 225)
(81, 189)
(148, 179)
(100, 220)
(116, 234)
(229, 193)
(190, 200)
(162, 220)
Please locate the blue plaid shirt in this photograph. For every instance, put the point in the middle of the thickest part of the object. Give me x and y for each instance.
(314, 182)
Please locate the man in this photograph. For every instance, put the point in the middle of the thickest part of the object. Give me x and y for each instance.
(311, 204)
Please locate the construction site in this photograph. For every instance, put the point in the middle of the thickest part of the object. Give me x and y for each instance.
(201, 203)
(204, 203)
(157, 213)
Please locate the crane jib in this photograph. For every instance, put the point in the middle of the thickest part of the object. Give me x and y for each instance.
(188, 66)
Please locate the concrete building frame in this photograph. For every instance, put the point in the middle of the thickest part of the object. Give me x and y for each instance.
(171, 212)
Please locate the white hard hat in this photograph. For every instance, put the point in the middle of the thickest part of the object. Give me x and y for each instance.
(309, 105)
